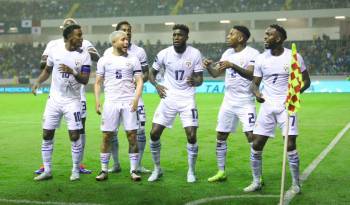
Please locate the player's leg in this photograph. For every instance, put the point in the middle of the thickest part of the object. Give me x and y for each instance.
(111, 121)
(130, 123)
(155, 147)
(292, 153)
(82, 167)
(105, 154)
(163, 117)
(141, 137)
(263, 128)
(192, 152)
(74, 136)
(227, 122)
(115, 154)
(51, 120)
(46, 153)
(72, 115)
(221, 150)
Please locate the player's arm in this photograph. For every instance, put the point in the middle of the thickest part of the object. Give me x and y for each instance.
(97, 92)
(139, 87)
(254, 88)
(152, 79)
(213, 71)
(44, 75)
(94, 55)
(43, 62)
(245, 73)
(145, 72)
(196, 79)
(82, 77)
(307, 81)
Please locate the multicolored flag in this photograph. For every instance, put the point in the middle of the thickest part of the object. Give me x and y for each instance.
(295, 83)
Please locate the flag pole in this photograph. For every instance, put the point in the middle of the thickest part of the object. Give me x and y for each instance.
(284, 160)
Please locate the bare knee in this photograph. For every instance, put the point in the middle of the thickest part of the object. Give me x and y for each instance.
(48, 134)
(191, 133)
(156, 131)
(74, 135)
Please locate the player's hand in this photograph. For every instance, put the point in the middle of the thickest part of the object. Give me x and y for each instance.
(161, 90)
(223, 65)
(259, 98)
(35, 88)
(134, 105)
(190, 81)
(98, 108)
(207, 62)
(65, 69)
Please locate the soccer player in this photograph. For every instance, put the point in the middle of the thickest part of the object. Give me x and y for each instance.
(272, 68)
(94, 57)
(183, 72)
(70, 67)
(238, 104)
(118, 72)
(141, 137)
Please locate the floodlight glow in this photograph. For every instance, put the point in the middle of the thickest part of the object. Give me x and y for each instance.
(169, 23)
(114, 25)
(281, 19)
(339, 17)
(225, 21)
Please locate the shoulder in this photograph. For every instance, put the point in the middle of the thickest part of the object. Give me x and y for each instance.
(252, 51)
(108, 51)
(228, 51)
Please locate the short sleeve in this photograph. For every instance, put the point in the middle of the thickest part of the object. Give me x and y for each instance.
(258, 66)
(137, 67)
(198, 65)
(301, 63)
(143, 57)
(100, 67)
(158, 61)
(253, 57)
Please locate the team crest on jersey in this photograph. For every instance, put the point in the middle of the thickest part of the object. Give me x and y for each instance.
(78, 63)
(128, 65)
(188, 64)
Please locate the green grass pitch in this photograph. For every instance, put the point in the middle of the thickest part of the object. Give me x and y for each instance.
(321, 117)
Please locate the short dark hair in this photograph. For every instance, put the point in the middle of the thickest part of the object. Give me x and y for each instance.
(243, 30)
(69, 29)
(182, 27)
(280, 30)
(119, 25)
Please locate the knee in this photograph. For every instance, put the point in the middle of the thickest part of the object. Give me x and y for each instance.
(155, 135)
(48, 134)
(192, 138)
(74, 135)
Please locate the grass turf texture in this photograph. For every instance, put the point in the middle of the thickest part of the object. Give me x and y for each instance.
(321, 117)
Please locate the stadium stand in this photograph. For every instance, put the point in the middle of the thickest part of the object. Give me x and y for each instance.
(322, 56)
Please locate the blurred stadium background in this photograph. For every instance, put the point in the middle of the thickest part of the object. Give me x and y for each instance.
(320, 28)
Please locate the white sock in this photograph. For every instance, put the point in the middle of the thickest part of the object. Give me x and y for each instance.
(83, 141)
(221, 149)
(115, 149)
(104, 158)
(293, 159)
(155, 150)
(256, 164)
(141, 143)
(46, 153)
(76, 154)
(134, 158)
(192, 153)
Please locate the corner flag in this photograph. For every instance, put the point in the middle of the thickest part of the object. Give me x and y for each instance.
(295, 83)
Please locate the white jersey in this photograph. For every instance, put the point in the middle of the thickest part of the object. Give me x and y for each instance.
(64, 86)
(274, 71)
(237, 88)
(178, 67)
(58, 42)
(118, 73)
(134, 50)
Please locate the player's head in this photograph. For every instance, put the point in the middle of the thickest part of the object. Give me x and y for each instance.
(124, 26)
(67, 22)
(180, 35)
(275, 35)
(119, 41)
(238, 35)
(73, 35)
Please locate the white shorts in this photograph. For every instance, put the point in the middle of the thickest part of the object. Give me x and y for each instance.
(83, 109)
(141, 113)
(55, 110)
(229, 116)
(168, 109)
(270, 116)
(115, 113)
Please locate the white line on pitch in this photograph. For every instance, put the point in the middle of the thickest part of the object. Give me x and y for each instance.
(206, 200)
(289, 195)
(14, 201)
